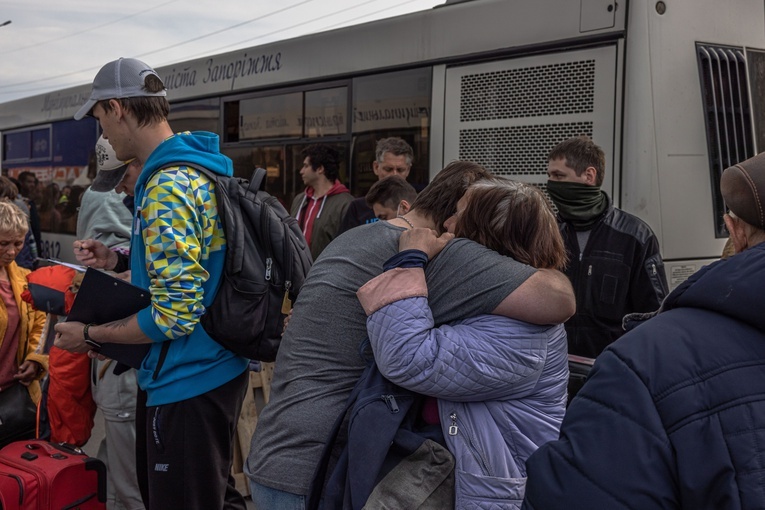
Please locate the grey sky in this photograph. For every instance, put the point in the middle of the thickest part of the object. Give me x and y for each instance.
(52, 45)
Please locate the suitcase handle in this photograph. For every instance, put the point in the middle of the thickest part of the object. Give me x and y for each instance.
(68, 448)
(99, 467)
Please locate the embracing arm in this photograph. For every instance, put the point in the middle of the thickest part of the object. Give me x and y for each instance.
(468, 279)
(462, 362)
(546, 297)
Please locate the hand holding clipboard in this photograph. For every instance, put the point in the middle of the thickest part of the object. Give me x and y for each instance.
(103, 298)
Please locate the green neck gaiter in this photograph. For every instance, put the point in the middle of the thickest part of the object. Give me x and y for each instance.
(578, 203)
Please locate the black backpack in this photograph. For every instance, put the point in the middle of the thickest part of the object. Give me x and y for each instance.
(267, 261)
(380, 428)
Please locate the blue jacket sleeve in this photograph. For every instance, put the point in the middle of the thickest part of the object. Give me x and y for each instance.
(613, 450)
(487, 357)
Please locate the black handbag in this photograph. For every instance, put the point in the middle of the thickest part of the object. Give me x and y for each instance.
(18, 414)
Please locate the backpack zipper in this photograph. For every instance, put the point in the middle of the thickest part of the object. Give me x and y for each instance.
(287, 258)
(264, 214)
(390, 401)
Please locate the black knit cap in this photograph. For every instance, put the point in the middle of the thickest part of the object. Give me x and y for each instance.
(743, 189)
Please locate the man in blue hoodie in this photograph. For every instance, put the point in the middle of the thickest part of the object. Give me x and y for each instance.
(194, 385)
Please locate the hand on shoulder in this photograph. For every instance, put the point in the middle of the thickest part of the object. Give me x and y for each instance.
(424, 239)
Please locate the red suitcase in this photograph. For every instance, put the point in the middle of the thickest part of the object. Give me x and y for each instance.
(38, 475)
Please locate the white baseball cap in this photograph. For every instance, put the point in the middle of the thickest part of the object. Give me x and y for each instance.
(110, 169)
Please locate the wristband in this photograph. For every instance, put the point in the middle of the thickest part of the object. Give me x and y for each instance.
(89, 340)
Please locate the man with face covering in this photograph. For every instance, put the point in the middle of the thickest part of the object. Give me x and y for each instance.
(614, 262)
(672, 415)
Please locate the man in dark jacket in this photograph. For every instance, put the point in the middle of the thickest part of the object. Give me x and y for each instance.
(393, 157)
(673, 414)
(614, 262)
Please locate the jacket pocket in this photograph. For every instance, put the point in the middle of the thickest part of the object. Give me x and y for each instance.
(475, 491)
(607, 284)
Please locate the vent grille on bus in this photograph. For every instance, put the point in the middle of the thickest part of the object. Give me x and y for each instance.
(518, 150)
(556, 89)
(727, 115)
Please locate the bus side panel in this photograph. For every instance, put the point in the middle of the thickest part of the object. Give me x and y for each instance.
(665, 136)
(508, 115)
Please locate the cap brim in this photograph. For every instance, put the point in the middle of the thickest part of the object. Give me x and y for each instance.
(82, 112)
(107, 180)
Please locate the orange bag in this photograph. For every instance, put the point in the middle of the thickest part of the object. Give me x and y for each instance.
(70, 403)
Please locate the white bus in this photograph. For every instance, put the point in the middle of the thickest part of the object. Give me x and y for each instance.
(672, 90)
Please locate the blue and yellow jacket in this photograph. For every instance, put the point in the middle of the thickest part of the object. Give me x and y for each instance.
(178, 252)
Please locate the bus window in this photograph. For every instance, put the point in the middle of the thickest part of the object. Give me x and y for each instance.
(390, 104)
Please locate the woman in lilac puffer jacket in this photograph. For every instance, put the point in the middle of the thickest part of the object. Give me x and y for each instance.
(500, 384)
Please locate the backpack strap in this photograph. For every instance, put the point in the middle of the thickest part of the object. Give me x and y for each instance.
(223, 208)
(229, 214)
(257, 181)
(320, 476)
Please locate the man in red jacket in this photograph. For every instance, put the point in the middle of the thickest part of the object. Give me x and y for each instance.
(322, 206)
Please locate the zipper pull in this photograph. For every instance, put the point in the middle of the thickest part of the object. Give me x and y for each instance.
(268, 268)
(453, 427)
(653, 269)
(390, 400)
(589, 270)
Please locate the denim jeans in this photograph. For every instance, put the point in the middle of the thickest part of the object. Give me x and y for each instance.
(266, 498)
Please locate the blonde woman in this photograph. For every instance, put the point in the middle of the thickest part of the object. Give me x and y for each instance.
(21, 358)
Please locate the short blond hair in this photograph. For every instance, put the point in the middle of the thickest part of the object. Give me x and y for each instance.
(13, 221)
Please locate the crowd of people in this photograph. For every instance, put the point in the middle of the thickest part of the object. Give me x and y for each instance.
(471, 293)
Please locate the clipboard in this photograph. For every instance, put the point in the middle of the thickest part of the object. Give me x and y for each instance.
(103, 298)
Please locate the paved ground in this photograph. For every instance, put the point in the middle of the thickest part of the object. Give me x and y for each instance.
(91, 447)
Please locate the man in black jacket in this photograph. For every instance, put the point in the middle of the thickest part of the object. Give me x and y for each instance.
(673, 414)
(614, 262)
(393, 156)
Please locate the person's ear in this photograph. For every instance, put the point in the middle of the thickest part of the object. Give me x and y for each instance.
(590, 175)
(320, 170)
(404, 207)
(115, 108)
(737, 233)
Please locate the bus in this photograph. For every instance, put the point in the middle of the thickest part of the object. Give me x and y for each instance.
(671, 89)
